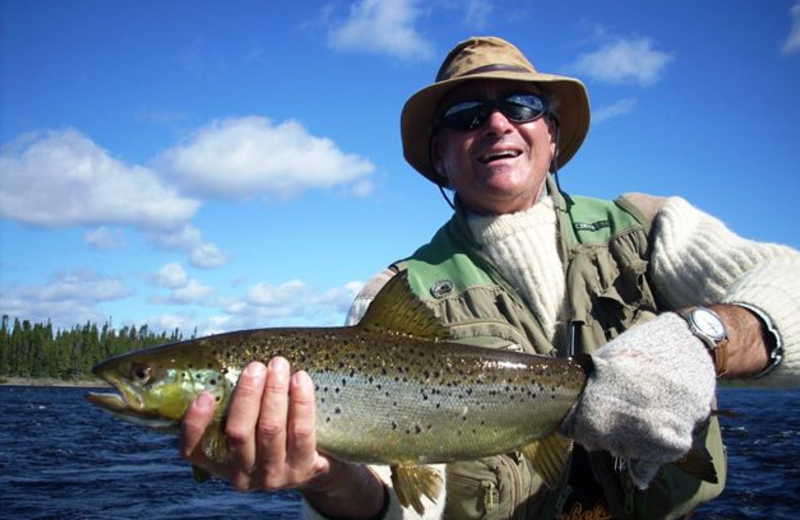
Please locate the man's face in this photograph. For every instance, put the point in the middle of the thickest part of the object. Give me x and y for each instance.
(501, 166)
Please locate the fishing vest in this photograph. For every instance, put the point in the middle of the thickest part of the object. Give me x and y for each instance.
(605, 249)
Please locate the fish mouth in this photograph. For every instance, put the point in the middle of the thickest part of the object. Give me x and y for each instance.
(117, 406)
(126, 403)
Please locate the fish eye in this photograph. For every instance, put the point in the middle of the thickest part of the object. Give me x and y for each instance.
(141, 372)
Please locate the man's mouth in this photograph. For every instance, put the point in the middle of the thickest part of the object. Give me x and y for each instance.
(499, 155)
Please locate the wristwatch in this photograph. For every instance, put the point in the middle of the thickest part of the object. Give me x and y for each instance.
(710, 329)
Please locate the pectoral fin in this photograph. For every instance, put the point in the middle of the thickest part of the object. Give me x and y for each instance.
(200, 474)
(215, 445)
(411, 482)
(549, 457)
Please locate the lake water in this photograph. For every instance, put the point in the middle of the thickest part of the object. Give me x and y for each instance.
(61, 458)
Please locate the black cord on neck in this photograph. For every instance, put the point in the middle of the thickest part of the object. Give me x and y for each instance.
(446, 198)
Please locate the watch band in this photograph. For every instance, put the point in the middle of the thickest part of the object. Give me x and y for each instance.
(720, 355)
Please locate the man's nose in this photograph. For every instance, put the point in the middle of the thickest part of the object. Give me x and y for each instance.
(498, 123)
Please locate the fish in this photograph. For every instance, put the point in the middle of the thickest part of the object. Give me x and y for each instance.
(394, 389)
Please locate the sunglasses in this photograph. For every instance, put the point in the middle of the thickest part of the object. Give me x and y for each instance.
(470, 115)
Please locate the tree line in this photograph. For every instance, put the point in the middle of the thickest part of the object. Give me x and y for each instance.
(37, 350)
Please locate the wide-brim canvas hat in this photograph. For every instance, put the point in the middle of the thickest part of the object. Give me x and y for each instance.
(483, 58)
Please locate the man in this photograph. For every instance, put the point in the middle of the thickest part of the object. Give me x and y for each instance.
(663, 297)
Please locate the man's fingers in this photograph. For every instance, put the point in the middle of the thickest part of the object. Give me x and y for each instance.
(271, 432)
(302, 422)
(270, 429)
(243, 414)
(197, 418)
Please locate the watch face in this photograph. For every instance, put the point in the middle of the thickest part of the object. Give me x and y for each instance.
(709, 323)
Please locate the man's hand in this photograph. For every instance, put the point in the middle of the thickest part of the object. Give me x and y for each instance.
(269, 430)
(649, 389)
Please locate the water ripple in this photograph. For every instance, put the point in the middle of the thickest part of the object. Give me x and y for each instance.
(61, 458)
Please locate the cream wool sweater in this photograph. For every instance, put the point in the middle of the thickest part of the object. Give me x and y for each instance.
(695, 259)
(524, 248)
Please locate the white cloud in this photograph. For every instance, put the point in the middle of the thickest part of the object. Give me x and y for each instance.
(619, 108)
(171, 276)
(383, 27)
(249, 156)
(293, 301)
(84, 285)
(207, 256)
(265, 295)
(792, 43)
(62, 178)
(183, 289)
(192, 292)
(624, 62)
(477, 13)
(186, 323)
(189, 239)
(105, 239)
(67, 299)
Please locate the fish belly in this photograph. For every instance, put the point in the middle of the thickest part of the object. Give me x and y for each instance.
(391, 420)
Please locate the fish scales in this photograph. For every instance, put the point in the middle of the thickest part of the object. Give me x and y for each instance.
(382, 399)
(435, 403)
(390, 390)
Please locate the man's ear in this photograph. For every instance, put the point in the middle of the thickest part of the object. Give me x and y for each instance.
(554, 128)
(437, 159)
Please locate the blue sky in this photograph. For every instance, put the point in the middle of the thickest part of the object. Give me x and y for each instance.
(225, 165)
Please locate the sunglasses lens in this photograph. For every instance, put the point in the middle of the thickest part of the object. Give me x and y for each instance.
(522, 108)
(466, 116)
(469, 115)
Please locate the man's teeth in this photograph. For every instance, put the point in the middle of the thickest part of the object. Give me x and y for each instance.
(493, 156)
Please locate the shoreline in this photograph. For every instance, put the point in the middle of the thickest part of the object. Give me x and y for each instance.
(51, 381)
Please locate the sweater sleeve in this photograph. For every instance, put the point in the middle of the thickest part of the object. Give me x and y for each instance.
(696, 259)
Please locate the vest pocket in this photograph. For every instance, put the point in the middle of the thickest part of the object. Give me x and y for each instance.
(499, 487)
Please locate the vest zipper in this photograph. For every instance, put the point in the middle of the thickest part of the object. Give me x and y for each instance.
(489, 489)
(629, 495)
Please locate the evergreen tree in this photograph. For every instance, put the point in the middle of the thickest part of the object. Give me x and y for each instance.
(35, 350)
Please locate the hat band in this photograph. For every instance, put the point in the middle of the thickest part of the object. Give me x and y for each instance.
(491, 68)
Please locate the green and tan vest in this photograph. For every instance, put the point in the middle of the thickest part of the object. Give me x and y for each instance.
(605, 250)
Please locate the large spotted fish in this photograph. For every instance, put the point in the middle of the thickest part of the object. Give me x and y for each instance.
(391, 390)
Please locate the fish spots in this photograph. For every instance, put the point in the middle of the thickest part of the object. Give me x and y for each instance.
(337, 411)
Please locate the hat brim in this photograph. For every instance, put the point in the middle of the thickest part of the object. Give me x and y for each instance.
(419, 113)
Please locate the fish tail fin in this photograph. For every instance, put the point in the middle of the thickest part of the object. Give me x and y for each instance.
(698, 463)
(729, 414)
(412, 481)
(549, 457)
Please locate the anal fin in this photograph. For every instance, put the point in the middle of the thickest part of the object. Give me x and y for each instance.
(549, 457)
(200, 474)
(413, 481)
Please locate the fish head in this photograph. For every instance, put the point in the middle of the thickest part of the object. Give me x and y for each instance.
(155, 387)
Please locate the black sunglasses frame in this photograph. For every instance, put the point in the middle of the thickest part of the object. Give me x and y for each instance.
(467, 116)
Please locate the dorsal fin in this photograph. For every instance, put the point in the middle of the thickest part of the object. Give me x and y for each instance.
(395, 309)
